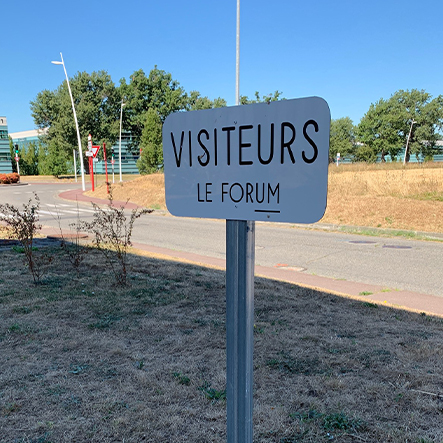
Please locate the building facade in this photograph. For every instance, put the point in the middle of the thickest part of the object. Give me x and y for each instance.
(5, 153)
(129, 160)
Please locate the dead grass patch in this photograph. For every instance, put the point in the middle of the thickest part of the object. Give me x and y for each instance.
(146, 190)
(82, 360)
(379, 196)
(386, 197)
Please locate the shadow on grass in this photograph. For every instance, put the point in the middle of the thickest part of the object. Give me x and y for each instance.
(85, 360)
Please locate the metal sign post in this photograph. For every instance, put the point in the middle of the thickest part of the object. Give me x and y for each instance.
(240, 262)
(17, 159)
(258, 162)
(93, 159)
(91, 171)
(106, 167)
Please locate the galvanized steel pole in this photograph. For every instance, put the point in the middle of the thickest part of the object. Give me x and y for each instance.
(240, 263)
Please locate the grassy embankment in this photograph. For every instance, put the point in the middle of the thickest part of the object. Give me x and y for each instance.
(378, 196)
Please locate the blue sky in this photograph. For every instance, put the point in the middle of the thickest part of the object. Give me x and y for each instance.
(351, 53)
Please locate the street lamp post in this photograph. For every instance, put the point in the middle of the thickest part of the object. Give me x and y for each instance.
(76, 125)
(120, 142)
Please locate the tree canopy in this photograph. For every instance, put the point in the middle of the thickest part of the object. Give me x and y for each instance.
(245, 100)
(407, 118)
(342, 138)
(156, 91)
(151, 159)
(97, 105)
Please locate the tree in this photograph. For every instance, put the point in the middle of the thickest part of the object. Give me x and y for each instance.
(385, 128)
(151, 159)
(97, 104)
(341, 138)
(158, 91)
(244, 100)
(197, 102)
(29, 159)
(54, 159)
(424, 116)
(12, 152)
(28, 155)
(379, 131)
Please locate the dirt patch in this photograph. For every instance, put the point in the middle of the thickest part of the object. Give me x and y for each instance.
(85, 361)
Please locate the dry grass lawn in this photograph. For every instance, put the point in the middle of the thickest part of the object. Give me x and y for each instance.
(381, 196)
(386, 197)
(84, 361)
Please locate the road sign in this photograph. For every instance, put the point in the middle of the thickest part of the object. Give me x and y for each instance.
(88, 153)
(17, 159)
(89, 142)
(262, 161)
(112, 161)
(95, 150)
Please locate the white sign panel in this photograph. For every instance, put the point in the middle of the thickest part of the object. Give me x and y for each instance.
(265, 162)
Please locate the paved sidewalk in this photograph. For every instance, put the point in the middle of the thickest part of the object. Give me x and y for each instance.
(77, 195)
(414, 301)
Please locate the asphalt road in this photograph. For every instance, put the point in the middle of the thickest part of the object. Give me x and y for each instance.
(395, 263)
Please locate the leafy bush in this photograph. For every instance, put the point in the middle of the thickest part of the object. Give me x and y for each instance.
(6, 179)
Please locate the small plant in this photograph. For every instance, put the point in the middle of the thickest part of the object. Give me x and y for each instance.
(74, 249)
(14, 328)
(112, 231)
(140, 364)
(365, 293)
(182, 379)
(211, 393)
(22, 225)
(342, 422)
